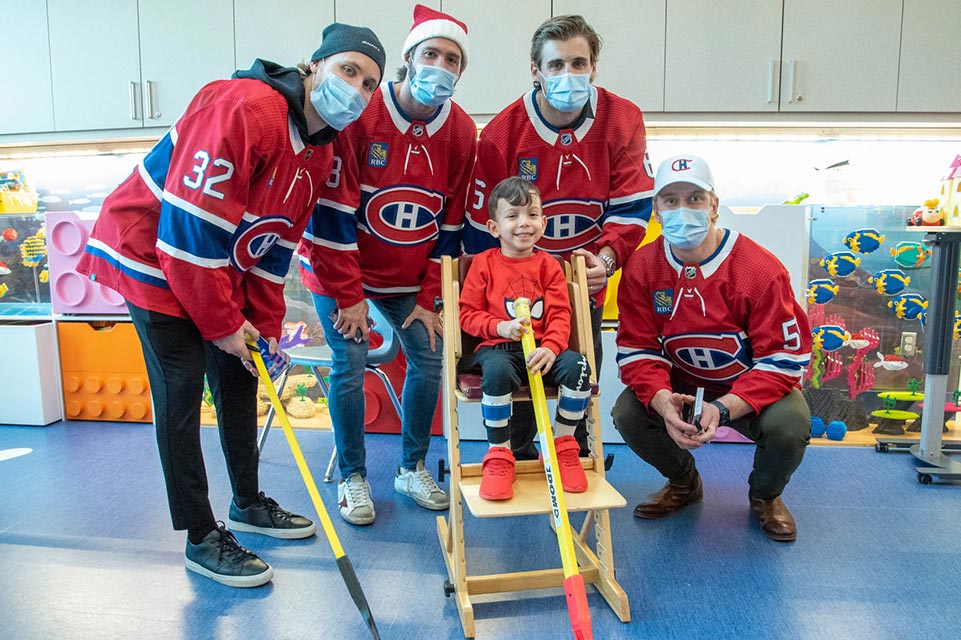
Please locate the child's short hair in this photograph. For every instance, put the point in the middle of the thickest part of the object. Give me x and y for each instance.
(516, 190)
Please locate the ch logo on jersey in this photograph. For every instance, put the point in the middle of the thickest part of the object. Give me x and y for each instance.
(681, 164)
(711, 356)
(570, 224)
(255, 241)
(527, 169)
(663, 301)
(377, 154)
(404, 215)
(567, 138)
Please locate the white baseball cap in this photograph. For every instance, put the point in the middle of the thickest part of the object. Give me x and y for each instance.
(684, 168)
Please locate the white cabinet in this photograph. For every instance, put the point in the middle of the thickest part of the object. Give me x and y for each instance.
(30, 382)
(128, 64)
(391, 20)
(631, 62)
(929, 78)
(499, 67)
(722, 59)
(280, 31)
(27, 100)
(840, 56)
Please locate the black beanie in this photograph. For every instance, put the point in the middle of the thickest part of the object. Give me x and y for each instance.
(340, 37)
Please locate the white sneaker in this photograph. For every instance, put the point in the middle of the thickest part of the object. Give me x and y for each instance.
(420, 486)
(353, 494)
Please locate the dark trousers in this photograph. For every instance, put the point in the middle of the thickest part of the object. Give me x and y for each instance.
(523, 427)
(177, 357)
(781, 432)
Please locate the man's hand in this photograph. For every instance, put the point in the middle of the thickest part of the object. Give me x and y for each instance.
(352, 319)
(596, 271)
(541, 360)
(670, 406)
(432, 321)
(236, 345)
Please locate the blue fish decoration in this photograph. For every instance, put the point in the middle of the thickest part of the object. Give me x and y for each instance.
(908, 305)
(840, 263)
(830, 337)
(890, 281)
(863, 240)
(821, 291)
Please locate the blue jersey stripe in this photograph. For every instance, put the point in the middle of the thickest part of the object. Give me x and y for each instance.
(192, 234)
(127, 271)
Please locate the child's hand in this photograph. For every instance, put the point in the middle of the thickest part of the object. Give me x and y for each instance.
(541, 360)
(512, 329)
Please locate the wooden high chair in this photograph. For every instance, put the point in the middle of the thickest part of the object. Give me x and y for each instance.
(531, 488)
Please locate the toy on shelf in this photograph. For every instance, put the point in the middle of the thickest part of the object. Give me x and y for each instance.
(15, 193)
(928, 215)
(818, 428)
(836, 430)
(894, 413)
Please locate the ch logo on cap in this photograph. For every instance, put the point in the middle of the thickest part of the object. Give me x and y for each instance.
(681, 164)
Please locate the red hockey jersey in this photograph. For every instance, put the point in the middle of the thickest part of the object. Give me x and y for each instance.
(393, 206)
(728, 324)
(494, 281)
(205, 226)
(595, 180)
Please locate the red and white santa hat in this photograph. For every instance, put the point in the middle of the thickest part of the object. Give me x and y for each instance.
(430, 23)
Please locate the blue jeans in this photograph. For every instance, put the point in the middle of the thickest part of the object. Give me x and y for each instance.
(347, 403)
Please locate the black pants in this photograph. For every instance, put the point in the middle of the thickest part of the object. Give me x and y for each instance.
(177, 357)
(781, 432)
(523, 426)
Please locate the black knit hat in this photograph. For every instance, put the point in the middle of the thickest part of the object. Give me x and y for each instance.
(340, 37)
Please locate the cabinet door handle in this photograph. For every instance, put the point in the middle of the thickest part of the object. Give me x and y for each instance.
(793, 95)
(149, 95)
(132, 89)
(770, 80)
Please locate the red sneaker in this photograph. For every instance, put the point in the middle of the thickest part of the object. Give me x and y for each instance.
(572, 473)
(498, 474)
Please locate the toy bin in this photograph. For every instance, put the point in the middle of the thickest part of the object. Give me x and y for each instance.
(29, 387)
(104, 375)
(70, 292)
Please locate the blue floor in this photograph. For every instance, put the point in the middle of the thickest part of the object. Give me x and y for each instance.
(86, 551)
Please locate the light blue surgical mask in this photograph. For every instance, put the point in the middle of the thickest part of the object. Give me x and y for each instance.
(336, 101)
(567, 92)
(685, 228)
(431, 86)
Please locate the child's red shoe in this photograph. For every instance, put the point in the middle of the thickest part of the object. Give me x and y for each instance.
(573, 478)
(498, 474)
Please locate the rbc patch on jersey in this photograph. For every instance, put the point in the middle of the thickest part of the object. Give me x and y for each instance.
(663, 301)
(527, 169)
(377, 155)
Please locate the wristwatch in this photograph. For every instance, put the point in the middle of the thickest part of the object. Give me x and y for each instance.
(609, 262)
(725, 414)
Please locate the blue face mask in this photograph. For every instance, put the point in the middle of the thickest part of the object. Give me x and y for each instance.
(336, 101)
(568, 92)
(685, 228)
(431, 86)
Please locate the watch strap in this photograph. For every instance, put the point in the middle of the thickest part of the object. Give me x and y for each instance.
(724, 411)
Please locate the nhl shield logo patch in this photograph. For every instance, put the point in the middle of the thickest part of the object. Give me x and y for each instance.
(663, 301)
(690, 272)
(377, 154)
(527, 169)
(417, 130)
(567, 138)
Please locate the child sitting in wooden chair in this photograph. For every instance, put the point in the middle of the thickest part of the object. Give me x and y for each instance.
(496, 278)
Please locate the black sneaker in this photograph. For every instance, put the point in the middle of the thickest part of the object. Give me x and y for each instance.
(220, 557)
(267, 518)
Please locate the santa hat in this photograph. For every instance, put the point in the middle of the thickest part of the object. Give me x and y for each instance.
(430, 23)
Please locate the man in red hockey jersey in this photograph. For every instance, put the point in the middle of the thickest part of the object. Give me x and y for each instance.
(198, 240)
(706, 307)
(392, 207)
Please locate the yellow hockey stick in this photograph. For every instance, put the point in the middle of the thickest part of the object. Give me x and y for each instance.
(574, 591)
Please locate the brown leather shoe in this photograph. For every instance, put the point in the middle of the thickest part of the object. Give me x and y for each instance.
(671, 498)
(776, 521)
